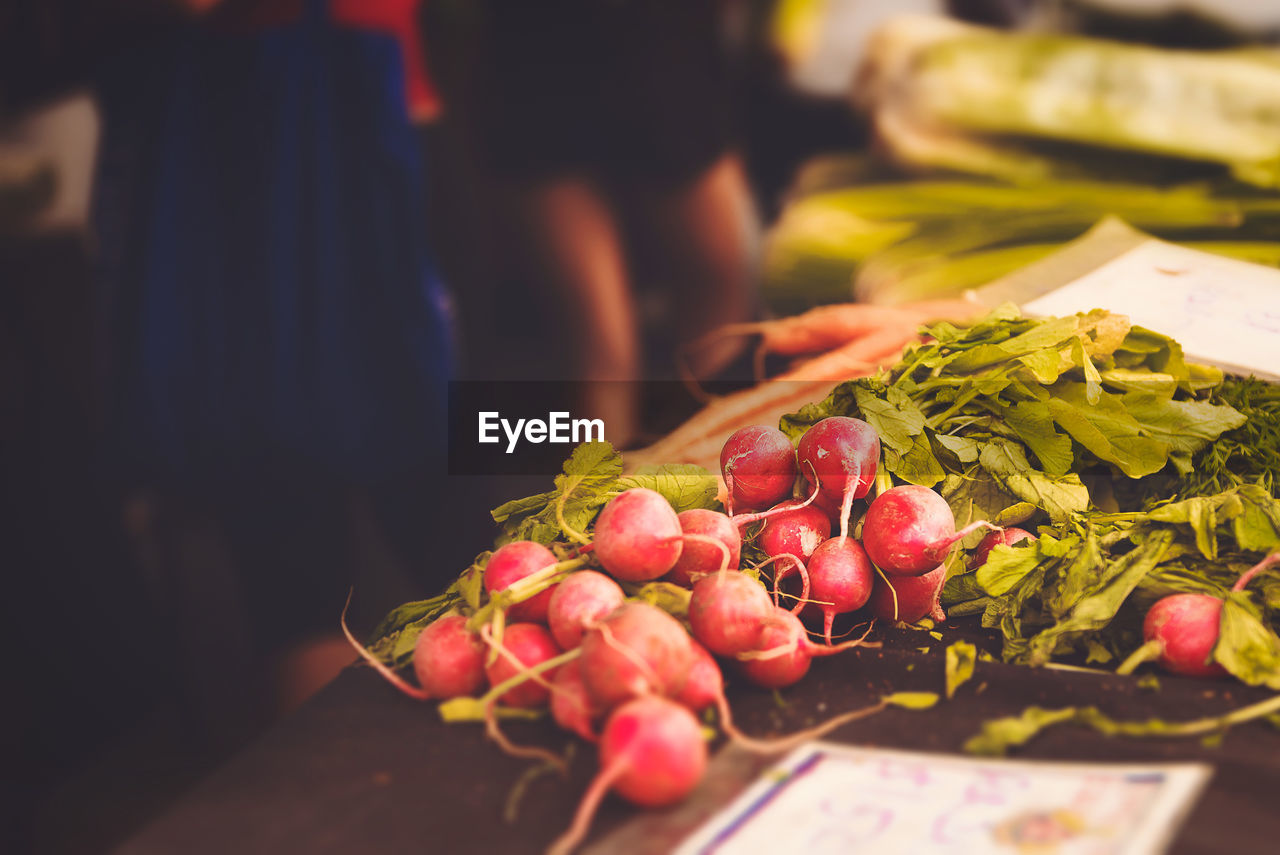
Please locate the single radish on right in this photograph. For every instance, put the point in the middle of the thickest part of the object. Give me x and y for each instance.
(909, 530)
(1181, 630)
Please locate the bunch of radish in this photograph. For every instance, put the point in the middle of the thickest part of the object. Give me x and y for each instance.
(563, 634)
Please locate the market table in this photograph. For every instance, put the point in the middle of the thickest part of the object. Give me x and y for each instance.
(364, 769)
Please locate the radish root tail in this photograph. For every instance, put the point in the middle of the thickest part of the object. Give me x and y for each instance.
(577, 830)
(390, 676)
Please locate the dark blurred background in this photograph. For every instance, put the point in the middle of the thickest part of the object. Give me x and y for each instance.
(243, 245)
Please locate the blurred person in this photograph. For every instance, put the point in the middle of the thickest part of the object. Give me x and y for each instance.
(606, 129)
(279, 339)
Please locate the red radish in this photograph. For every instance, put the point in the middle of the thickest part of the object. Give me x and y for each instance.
(1008, 537)
(698, 559)
(581, 599)
(794, 529)
(705, 684)
(449, 659)
(1182, 629)
(909, 530)
(571, 705)
(523, 646)
(759, 468)
(908, 598)
(840, 578)
(638, 649)
(830, 507)
(638, 536)
(1186, 628)
(651, 753)
(511, 563)
(725, 612)
(839, 455)
(783, 651)
(454, 650)
(784, 637)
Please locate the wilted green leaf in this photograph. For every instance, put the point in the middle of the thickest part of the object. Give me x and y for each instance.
(912, 700)
(962, 656)
(683, 485)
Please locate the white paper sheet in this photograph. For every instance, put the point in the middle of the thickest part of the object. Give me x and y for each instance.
(1223, 311)
(825, 799)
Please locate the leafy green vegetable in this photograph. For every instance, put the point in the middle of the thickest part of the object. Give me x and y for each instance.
(1007, 415)
(1084, 585)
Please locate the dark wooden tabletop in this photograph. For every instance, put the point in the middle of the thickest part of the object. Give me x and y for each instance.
(362, 769)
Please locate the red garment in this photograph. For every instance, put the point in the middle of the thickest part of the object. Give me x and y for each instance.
(398, 18)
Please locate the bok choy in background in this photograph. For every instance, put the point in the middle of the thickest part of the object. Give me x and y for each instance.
(995, 148)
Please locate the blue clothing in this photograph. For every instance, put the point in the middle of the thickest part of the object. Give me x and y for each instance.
(269, 291)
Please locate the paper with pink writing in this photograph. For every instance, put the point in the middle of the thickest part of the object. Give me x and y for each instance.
(825, 799)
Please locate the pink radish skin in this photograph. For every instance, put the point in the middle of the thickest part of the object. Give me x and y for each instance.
(449, 659)
(651, 753)
(783, 651)
(909, 530)
(660, 743)
(1183, 628)
(830, 507)
(581, 599)
(1186, 625)
(638, 536)
(726, 610)
(638, 649)
(511, 563)
(523, 646)
(840, 579)
(786, 636)
(1008, 537)
(916, 596)
(705, 684)
(698, 559)
(759, 468)
(839, 456)
(571, 705)
(798, 531)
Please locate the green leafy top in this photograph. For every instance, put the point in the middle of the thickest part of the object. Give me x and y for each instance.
(1083, 587)
(592, 476)
(1005, 416)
